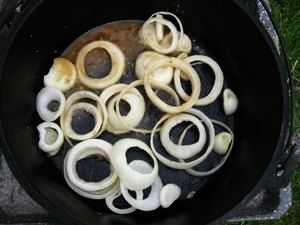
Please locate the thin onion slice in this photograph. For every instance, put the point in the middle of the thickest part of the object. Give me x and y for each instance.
(159, 28)
(221, 163)
(117, 65)
(150, 203)
(85, 107)
(218, 84)
(51, 138)
(184, 46)
(180, 151)
(62, 75)
(190, 164)
(82, 150)
(188, 70)
(131, 178)
(136, 83)
(44, 98)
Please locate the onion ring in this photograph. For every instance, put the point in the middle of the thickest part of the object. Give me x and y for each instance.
(117, 65)
(51, 137)
(188, 70)
(180, 151)
(131, 178)
(217, 87)
(186, 165)
(152, 202)
(44, 98)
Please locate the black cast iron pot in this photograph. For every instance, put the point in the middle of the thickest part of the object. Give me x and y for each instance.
(39, 31)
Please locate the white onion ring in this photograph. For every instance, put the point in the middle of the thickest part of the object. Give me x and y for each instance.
(188, 70)
(68, 117)
(184, 46)
(44, 97)
(131, 178)
(136, 83)
(117, 65)
(150, 203)
(53, 145)
(221, 163)
(180, 151)
(190, 164)
(134, 116)
(159, 28)
(218, 84)
(109, 200)
(62, 75)
(82, 150)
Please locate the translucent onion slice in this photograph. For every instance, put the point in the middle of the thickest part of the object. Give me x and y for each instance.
(62, 75)
(150, 203)
(180, 151)
(148, 35)
(184, 46)
(159, 28)
(145, 61)
(117, 65)
(76, 97)
(188, 70)
(51, 137)
(132, 179)
(110, 203)
(190, 164)
(218, 84)
(91, 147)
(136, 83)
(84, 107)
(44, 98)
(169, 194)
(224, 159)
(134, 116)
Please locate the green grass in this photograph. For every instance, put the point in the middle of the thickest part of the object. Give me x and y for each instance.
(287, 16)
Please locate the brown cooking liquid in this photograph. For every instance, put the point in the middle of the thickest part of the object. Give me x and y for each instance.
(124, 34)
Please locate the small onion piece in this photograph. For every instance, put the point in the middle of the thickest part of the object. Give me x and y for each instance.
(145, 61)
(190, 164)
(82, 150)
(222, 143)
(177, 150)
(169, 194)
(224, 159)
(131, 178)
(136, 83)
(51, 137)
(230, 102)
(218, 84)
(134, 116)
(62, 75)
(188, 70)
(44, 98)
(117, 67)
(109, 200)
(150, 203)
(85, 107)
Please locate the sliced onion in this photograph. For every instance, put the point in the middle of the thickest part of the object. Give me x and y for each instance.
(51, 137)
(136, 83)
(180, 151)
(110, 203)
(230, 102)
(44, 98)
(159, 28)
(218, 84)
(131, 178)
(184, 46)
(190, 164)
(188, 70)
(169, 194)
(134, 116)
(150, 203)
(76, 97)
(221, 163)
(62, 75)
(144, 63)
(86, 107)
(117, 65)
(82, 150)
